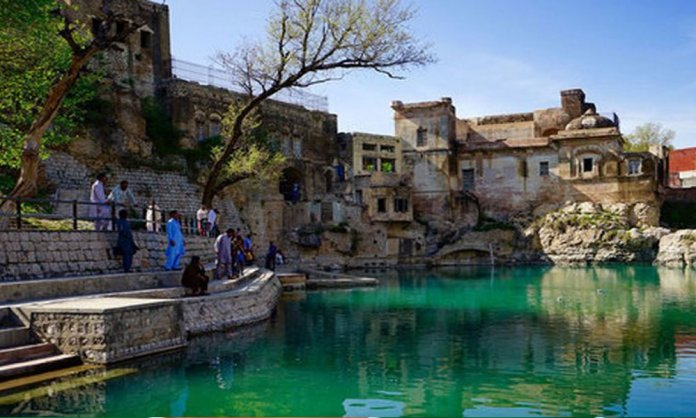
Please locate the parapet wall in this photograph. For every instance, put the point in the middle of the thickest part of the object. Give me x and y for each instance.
(28, 255)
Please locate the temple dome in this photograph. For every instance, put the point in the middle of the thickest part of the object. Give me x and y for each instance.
(590, 120)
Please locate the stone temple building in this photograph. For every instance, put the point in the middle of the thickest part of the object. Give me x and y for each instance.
(349, 198)
(514, 163)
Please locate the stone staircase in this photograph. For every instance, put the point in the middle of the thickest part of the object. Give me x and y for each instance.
(22, 354)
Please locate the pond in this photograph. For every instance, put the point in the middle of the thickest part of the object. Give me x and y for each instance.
(550, 341)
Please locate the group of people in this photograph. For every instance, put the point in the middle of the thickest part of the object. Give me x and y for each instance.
(100, 210)
(207, 221)
(233, 252)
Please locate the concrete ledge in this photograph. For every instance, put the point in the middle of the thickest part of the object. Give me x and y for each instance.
(342, 282)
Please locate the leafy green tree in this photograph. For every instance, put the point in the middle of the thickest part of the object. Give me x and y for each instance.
(310, 42)
(45, 52)
(256, 156)
(648, 134)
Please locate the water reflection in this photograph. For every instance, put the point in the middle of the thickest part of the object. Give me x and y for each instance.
(531, 341)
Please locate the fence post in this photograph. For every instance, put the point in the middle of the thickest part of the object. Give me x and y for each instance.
(19, 213)
(74, 215)
(145, 218)
(113, 216)
(163, 220)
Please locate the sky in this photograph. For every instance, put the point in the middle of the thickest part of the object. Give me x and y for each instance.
(633, 57)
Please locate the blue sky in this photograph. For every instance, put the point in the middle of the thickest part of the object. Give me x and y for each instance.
(633, 57)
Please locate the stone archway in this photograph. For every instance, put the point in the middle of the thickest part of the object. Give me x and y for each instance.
(290, 185)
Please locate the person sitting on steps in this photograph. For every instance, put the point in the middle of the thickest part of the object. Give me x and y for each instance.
(194, 277)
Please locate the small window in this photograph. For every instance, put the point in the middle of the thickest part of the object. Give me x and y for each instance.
(421, 137)
(381, 205)
(96, 26)
(387, 148)
(359, 197)
(200, 130)
(369, 147)
(145, 39)
(297, 147)
(400, 205)
(388, 165)
(369, 164)
(633, 167)
(468, 179)
(215, 126)
(120, 27)
(544, 168)
(587, 165)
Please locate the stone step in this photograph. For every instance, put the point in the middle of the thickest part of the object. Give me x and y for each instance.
(26, 352)
(16, 336)
(38, 365)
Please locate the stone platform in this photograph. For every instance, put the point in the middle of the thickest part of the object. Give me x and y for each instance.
(292, 281)
(107, 330)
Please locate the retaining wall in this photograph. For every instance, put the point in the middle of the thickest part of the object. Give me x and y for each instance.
(33, 254)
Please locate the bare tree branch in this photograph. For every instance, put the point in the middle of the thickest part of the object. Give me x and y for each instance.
(312, 42)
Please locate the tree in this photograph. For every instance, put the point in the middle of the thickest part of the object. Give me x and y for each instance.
(33, 56)
(648, 134)
(257, 155)
(310, 42)
(33, 28)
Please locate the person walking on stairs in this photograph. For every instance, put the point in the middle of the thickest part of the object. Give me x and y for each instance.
(125, 245)
(175, 242)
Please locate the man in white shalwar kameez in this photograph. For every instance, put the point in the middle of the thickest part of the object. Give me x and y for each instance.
(99, 211)
(223, 249)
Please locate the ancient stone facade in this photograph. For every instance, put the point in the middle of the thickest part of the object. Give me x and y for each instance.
(512, 164)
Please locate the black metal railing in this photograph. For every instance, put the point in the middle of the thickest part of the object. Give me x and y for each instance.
(151, 217)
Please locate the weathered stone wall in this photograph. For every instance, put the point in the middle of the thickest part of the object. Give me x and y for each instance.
(108, 335)
(33, 254)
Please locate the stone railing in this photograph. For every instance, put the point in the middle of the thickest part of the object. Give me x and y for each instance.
(28, 255)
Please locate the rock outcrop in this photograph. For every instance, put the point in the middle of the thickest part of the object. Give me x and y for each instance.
(678, 249)
(593, 233)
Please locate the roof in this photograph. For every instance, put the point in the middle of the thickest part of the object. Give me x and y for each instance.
(682, 160)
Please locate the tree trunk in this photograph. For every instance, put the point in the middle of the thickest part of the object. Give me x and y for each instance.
(27, 185)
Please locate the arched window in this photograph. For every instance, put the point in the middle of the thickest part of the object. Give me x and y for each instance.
(215, 125)
(290, 185)
(200, 133)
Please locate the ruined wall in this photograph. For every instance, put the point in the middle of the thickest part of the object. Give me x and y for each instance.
(306, 138)
(28, 255)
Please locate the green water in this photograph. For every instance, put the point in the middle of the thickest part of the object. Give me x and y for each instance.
(466, 342)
